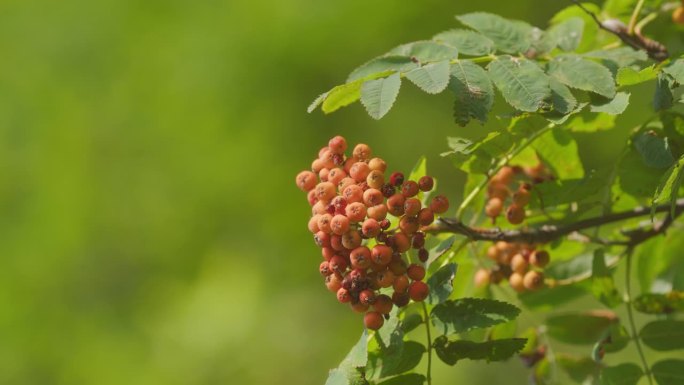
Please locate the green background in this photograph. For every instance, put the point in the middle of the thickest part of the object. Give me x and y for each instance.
(150, 228)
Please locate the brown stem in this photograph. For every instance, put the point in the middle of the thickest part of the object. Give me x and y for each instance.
(549, 232)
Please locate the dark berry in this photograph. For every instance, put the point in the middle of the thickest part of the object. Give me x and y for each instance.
(423, 255)
(396, 179)
(387, 190)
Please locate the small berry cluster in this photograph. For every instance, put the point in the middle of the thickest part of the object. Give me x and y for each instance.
(351, 199)
(515, 262)
(515, 183)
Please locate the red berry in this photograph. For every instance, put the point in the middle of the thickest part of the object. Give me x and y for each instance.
(338, 264)
(373, 320)
(426, 183)
(343, 295)
(400, 299)
(416, 272)
(360, 257)
(338, 144)
(540, 258)
(385, 278)
(426, 217)
(385, 224)
(381, 254)
(306, 181)
(409, 189)
(397, 266)
(408, 225)
(373, 197)
(325, 269)
(418, 291)
(370, 228)
(333, 282)
(439, 204)
(387, 190)
(395, 205)
(359, 307)
(411, 207)
(383, 304)
(401, 284)
(322, 239)
(418, 242)
(515, 214)
(396, 179)
(367, 297)
(377, 212)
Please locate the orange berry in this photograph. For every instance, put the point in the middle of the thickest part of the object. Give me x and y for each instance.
(482, 278)
(426, 216)
(377, 164)
(401, 284)
(359, 171)
(515, 214)
(418, 291)
(439, 204)
(339, 224)
(411, 207)
(362, 152)
(373, 320)
(375, 179)
(533, 280)
(337, 144)
(494, 207)
(519, 264)
(378, 212)
(678, 15)
(395, 205)
(416, 272)
(516, 282)
(306, 181)
(373, 197)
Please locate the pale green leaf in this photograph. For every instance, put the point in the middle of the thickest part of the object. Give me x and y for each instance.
(603, 285)
(432, 78)
(668, 188)
(627, 76)
(467, 42)
(385, 64)
(616, 106)
(567, 34)
(425, 51)
(676, 70)
(655, 151)
(521, 82)
(378, 96)
(558, 149)
(576, 72)
(473, 90)
(441, 284)
(508, 36)
(317, 102)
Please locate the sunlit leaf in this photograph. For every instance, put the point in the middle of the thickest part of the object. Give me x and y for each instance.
(580, 327)
(577, 72)
(507, 36)
(441, 284)
(378, 95)
(467, 42)
(432, 78)
(473, 91)
(450, 352)
(464, 314)
(521, 82)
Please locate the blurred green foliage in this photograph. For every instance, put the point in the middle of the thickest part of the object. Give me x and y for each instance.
(151, 232)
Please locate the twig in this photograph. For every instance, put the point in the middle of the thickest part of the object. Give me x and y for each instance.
(630, 315)
(429, 344)
(549, 232)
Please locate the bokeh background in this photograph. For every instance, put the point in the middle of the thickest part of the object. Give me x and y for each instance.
(150, 229)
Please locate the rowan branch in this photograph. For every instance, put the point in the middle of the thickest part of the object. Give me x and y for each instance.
(549, 232)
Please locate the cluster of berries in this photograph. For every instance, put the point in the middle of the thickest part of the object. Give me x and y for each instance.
(515, 262)
(514, 183)
(351, 199)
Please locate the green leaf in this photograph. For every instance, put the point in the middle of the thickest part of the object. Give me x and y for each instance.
(618, 57)
(391, 335)
(405, 379)
(663, 98)
(440, 249)
(616, 106)
(473, 90)
(603, 285)
(409, 358)
(577, 72)
(347, 373)
(562, 98)
(432, 78)
(521, 82)
(441, 284)
(676, 70)
(652, 303)
(623, 374)
(567, 35)
(668, 372)
(410, 322)
(378, 95)
(660, 260)
(590, 27)
(317, 102)
(507, 36)
(383, 64)
(668, 188)
(654, 150)
(578, 368)
(549, 299)
(465, 314)
(663, 335)
(613, 340)
(558, 149)
(583, 328)
(425, 51)
(467, 42)
(342, 96)
(450, 352)
(627, 76)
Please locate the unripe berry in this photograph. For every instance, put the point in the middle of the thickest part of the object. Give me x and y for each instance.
(333, 282)
(494, 207)
(519, 264)
(367, 297)
(387, 190)
(306, 181)
(418, 291)
(395, 205)
(497, 190)
(362, 152)
(325, 191)
(533, 280)
(339, 224)
(383, 304)
(381, 254)
(401, 284)
(439, 204)
(540, 258)
(343, 295)
(416, 272)
(375, 179)
(426, 183)
(678, 15)
(373, 197)
(377, 164)
(522, 196)
(359, 171)
(338, 144)
(377, 212)
(504, 176)
(385, 278)
(336, 175)
(409, 189)
(408, 225)
(515, 214)
(423, 255)
(482, 278)
(516, 282)
(493, 253)
(411, 207)
(426, 216)
(397, 179)
(373, 320)
(356, 212)
(324, 269)
(370, 228)
(400, 299)
(360, 257)
(351, 239)
(402, 242)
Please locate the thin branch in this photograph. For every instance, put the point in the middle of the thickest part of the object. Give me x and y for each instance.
(635, 16)
(630, 315)
(429, 344)
(549, 232)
